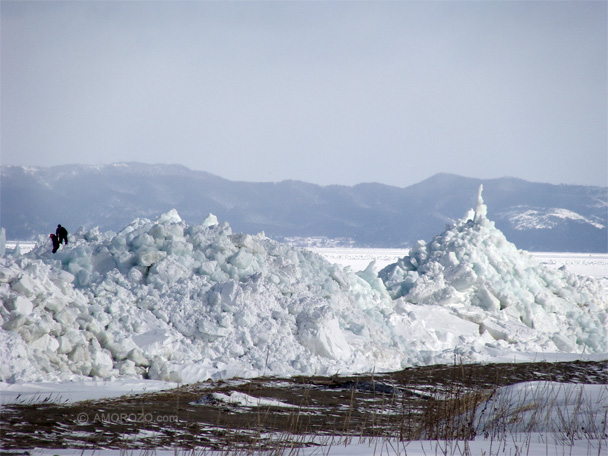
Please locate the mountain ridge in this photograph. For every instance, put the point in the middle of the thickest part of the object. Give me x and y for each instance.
(535, 216)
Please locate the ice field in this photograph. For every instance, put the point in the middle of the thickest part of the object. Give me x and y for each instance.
(585, 264)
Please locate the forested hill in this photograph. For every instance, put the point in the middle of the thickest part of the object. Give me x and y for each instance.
(535, 216)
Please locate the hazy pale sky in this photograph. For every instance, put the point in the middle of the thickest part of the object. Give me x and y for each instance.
(326, 92)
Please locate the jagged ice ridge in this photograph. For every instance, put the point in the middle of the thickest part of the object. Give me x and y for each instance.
(165, 300)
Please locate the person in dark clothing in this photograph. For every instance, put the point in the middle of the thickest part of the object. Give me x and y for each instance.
(62, 234)
(55, 242)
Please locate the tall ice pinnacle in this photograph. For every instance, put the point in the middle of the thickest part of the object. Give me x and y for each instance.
(481, 210)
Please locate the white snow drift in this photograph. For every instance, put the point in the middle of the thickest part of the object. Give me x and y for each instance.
(168, 301)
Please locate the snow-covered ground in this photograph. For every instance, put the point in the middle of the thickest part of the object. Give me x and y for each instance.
(532, 418)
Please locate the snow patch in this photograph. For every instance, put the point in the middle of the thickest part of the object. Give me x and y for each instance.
(538, 219)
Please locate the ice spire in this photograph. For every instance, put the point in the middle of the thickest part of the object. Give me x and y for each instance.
(481, 210)
(2, 241)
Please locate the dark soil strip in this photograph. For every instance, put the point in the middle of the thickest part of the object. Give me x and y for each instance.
(430, 402)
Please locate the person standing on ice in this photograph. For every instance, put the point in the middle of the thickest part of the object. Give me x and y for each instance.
(55, 240)
(62, 234)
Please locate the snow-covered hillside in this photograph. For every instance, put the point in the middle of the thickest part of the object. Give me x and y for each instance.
(165, 300)
(522, 218)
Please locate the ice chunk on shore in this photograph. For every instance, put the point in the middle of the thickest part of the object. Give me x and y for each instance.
(167, 300)
(517, 300)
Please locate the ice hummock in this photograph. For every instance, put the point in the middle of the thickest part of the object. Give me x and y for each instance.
(168, 301)
(474, 273)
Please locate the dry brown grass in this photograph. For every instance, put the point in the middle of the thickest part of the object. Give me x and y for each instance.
(432, 402)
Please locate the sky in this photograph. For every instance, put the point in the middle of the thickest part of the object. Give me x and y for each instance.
(328, 92)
